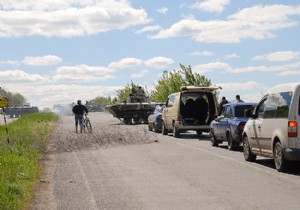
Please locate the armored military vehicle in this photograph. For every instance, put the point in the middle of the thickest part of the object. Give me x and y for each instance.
(135, 110)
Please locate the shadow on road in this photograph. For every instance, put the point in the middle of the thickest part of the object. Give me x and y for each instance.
(294, 168)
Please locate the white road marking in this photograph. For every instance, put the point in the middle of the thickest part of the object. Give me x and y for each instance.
(88, 187)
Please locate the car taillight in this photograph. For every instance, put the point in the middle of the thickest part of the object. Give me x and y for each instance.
(241, 127)
(292, 129)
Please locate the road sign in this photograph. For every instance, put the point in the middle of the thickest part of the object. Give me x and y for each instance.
(3, 102)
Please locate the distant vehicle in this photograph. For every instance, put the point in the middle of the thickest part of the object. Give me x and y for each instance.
(193, 108)
(155, 119)
(272, 130)
(230, 124)
(135, 110)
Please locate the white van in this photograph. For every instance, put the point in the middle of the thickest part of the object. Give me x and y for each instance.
(193, 108)
(272, 130)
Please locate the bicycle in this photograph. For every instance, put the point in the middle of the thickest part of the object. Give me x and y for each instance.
(86, 124)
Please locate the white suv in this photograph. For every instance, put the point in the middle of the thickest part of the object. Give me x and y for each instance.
(272, 130)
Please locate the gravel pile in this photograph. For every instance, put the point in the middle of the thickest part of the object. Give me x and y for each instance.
(107, 132)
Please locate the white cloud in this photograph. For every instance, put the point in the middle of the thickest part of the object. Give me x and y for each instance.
(159, 62)
(233, 55)
(125, 63)
(279, 56)
(162, 10)
(257, 22)
(47, 60)
(202, 68)
(148, 28)
(9, 62)
(140, 74)
(82, 73)
(289, 73)
(46, 95)
(67, 18)
(211, 5)
(202, 53)
(21, 76)
(239, 86)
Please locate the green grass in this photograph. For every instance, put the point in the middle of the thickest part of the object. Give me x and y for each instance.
(19, 159)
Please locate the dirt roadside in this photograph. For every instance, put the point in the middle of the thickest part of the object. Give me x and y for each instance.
(107, 132)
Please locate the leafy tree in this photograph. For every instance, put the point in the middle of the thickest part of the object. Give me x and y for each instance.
(195, 79)
(175, 79)
(18, 100)
(14, 99)
(102, 101)
(123, 94)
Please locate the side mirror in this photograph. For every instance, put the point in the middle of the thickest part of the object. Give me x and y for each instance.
(248, 113)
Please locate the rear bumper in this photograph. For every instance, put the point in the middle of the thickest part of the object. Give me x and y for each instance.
(291, 153)
(180, 126)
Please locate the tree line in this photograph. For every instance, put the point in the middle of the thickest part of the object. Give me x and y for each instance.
(169, 83)
(14, 99)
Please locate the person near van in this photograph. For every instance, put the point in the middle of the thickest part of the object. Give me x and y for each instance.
(223, 101)
(238, 99)
(79, 109)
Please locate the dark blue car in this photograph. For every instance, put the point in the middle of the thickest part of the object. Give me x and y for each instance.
(230, 124)
(155, 119)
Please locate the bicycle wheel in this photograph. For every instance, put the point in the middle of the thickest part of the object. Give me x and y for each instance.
(88, 126)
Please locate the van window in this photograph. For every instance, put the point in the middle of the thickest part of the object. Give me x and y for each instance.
(275, 105)
(284, 101)
(270, 106)
(171, 100)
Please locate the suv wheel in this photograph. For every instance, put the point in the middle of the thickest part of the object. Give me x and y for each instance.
(213, 139)
(248, 155)
(176, 132)
(281, 163)
(164, 131)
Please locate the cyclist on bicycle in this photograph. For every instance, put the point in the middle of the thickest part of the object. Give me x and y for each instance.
(79, 111)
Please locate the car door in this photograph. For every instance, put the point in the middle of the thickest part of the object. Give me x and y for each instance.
(216, 124)
(168, 112)
(223, 124)
(254, 127)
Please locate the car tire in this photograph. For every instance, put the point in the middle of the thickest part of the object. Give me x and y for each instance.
(164, 130)
(199, 132)
(127, 121)
(176, 132)
(155, 128)
(213, 139)
(231, 143)
(248, 155)
(281, 164)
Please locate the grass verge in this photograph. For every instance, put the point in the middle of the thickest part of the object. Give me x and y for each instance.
(19, 159)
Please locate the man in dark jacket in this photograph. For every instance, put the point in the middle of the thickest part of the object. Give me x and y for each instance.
(79, 111)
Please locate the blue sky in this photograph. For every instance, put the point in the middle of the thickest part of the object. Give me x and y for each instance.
(58, 51)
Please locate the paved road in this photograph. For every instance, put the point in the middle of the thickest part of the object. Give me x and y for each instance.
(127, 167)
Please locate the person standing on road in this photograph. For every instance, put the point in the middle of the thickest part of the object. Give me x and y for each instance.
(223, 101)
(79, 111)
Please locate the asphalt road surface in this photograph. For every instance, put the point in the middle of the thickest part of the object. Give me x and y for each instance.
(128, 167)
